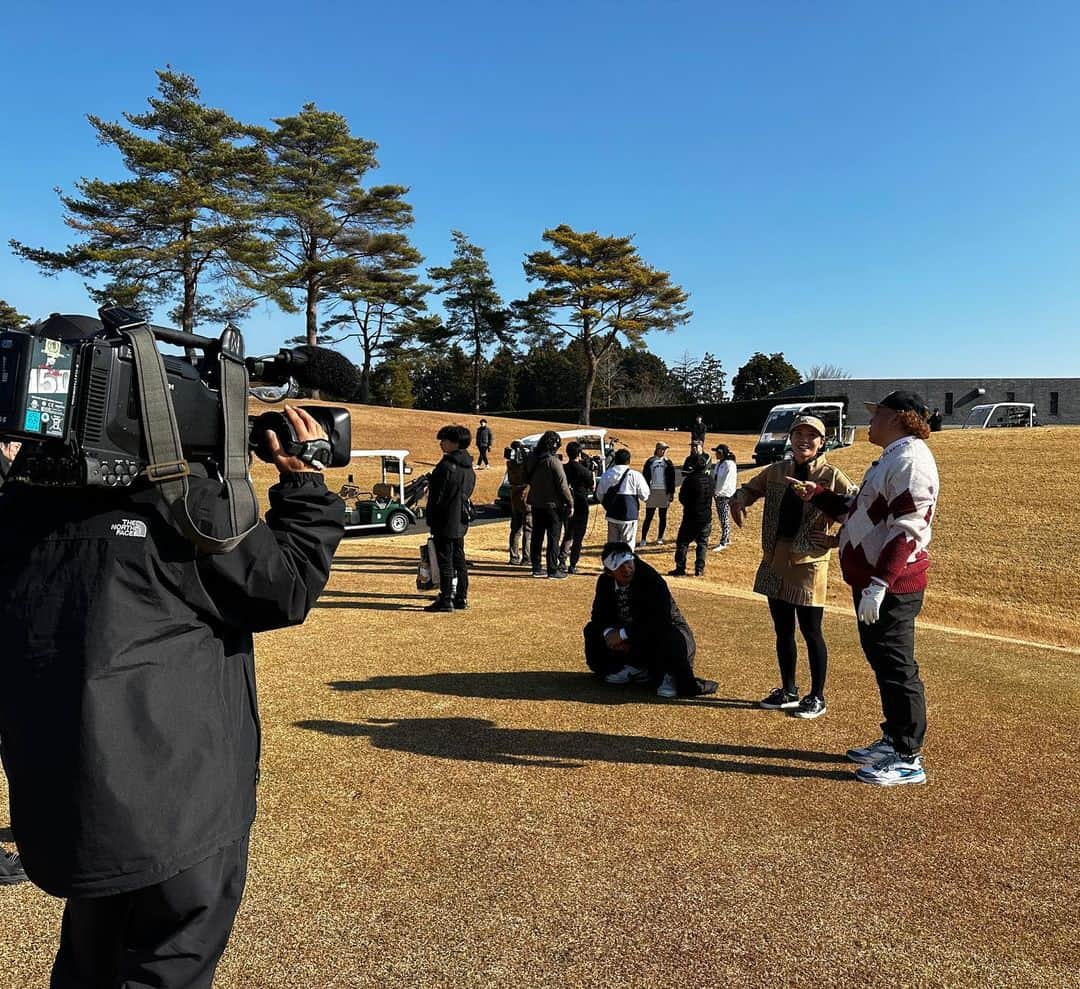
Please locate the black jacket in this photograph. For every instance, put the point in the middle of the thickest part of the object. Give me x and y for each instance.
(581, 479)
(128, 716)
(484, 437)
(452, 482)
(5, 469)
(697, 431)
(696, 497)
(652, 608)
(547, 481)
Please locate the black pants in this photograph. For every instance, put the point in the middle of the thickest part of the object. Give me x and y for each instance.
(889, 645)
(574, 533)
(664, 652)
(520, 532)
(783, 616)
(690, 532)
(168, 936)
(547, 525)
(482, 460)
(451, 556)
(661, 525)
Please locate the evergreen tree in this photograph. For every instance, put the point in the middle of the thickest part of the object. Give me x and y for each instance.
(10, 317)
(501, 380)
(684, 371)
(474, 311)
(596, 290)
(442, 380)
(391, 383)
(185, 220)
(761, 376)
(550, 377)
(380, 298)
(323, 223)
(709, 380)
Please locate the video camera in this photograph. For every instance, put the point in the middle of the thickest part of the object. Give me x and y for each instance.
(69, 392)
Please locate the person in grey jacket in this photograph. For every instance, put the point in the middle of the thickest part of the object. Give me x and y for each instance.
(552, 503)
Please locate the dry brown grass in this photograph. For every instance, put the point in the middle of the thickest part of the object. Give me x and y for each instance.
(451, 801)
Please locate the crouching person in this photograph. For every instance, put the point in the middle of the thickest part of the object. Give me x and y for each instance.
(637, 633)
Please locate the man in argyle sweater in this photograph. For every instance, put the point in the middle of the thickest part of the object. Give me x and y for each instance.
(883, 555)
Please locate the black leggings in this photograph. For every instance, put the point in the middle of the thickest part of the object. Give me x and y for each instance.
(649, 512)
(783, 616)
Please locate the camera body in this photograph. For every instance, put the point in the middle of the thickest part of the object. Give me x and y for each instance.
(68, 392)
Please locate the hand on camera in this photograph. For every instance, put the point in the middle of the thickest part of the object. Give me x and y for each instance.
(306, 428)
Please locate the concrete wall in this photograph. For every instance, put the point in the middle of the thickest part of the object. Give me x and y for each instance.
(964, 392)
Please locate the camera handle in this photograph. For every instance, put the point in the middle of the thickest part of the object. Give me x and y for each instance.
(168, 468)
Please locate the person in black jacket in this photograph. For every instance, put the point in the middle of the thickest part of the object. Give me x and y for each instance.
(552, 504)
(636, 632)
(11, 870)
(484, 441)
(698, 430)
(582, 481)
(448, 516)
(696, 497)
(128, 717)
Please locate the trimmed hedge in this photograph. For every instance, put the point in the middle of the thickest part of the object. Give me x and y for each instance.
(720, 417)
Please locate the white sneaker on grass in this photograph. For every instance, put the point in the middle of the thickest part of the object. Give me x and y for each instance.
(893, 770)
(720, 548)
(667, 687)
(628, 674)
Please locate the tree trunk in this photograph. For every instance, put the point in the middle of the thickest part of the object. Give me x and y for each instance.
(312, 312)
(365, 379)
(590, 380)
(476, 379)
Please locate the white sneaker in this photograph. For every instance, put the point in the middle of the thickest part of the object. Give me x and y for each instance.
(628, 674)
(720, 548)
(893, 770)
(644, 542)
(667, 687)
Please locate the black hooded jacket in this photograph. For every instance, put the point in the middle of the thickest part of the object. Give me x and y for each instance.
(696, 496)
(653, 610)
(452, 482)
(128, 716)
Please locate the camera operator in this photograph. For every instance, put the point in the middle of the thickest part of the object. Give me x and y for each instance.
(129, 720)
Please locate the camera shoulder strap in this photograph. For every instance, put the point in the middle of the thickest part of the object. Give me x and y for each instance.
(168, 468)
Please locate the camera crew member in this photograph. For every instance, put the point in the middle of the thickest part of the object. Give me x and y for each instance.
(129, 720)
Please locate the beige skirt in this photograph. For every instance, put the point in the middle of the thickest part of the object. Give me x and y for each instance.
(658, 498)
(804, 584)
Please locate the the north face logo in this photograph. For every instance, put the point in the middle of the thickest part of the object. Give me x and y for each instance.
(135, 528)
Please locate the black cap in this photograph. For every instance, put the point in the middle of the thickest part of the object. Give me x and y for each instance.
(903, 401)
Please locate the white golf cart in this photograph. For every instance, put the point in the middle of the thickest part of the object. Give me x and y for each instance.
(773, 445)
(594, 441)
(392, 504)
(1001, 414)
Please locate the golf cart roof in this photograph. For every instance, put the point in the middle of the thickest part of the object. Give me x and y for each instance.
(1002, 405)
(567, 434)
(795, 406)
(399, 454)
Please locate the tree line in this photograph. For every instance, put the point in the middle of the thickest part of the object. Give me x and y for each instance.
(215, 216)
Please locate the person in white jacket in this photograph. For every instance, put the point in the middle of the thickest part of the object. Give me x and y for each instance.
(724, 480)
(622, 491)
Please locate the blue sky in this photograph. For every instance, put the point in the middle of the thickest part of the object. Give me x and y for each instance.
(892, 188)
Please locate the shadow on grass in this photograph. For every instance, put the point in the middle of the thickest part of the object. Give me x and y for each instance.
(529, 685)
(479, 740)
(6, 835)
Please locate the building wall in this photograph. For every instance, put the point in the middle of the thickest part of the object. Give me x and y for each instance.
(964, 393)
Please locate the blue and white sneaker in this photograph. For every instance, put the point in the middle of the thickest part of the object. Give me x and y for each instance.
(867, 755)
(893, 770)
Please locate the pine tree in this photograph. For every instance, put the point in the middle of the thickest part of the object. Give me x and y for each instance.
(709, 380)
(323, 223)
(183, 223)
(596, 290)
(761, 376)
(10, 317)
(475, 315)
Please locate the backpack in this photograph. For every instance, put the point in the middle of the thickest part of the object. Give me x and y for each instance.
(618, 506)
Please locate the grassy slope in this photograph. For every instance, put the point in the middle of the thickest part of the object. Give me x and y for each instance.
(451, 801)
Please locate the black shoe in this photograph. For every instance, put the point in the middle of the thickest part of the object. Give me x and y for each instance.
(558, 575)
(810, 707)
(704, 687)
(540, 574)
(11, 870)
(699, 573)
(440, 605)
(571, 570)
(676, 573)
(780, 699)
(460, 604)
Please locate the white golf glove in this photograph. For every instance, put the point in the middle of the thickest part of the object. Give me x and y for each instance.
(870, 602)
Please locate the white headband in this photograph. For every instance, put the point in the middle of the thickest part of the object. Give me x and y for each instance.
(615, 560)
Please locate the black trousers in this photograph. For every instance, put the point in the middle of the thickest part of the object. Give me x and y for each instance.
(482, 460)
(889, 645)
(660, 654)
(783, 616)
(168, 936)
(690, 532)
(547, 526)
(451, 556)
(661, 525)
(574, 533)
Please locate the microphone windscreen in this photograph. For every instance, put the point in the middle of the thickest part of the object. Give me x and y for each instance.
(325, 370)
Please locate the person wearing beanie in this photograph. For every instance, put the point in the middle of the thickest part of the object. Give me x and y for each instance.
(884, 556)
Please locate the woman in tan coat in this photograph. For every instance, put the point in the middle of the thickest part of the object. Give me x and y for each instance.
(796, 542)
